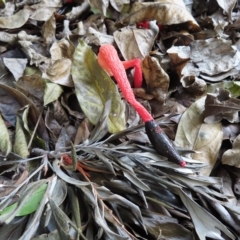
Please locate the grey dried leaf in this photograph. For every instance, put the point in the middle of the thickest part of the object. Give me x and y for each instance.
(200, 216)
(65, 177)
(220, 106)
(135, 43)
(62, 221)
(165, 12)
(16, 66)
(35, 58)
(194, 85)
(214, 56)
(227, 6)
(95, 37)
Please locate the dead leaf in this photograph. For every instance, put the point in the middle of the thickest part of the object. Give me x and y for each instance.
(142, 93)
(135, 43)
(95, 37)
(194, 85)
(231, 156)
(217, 55)
(100, 5)
(180, 57)
(219, 22)
(16, 66)
(194, 134)
(156, 78)
(227, 6)
(60, 72)
(15, 21)
(48, 31)
(5, 143)
(83, 131)
(62, 49)
(220, 105)
(165, 12)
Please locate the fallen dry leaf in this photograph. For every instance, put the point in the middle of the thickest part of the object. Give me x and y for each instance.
(220, 105)
(231, 156)
(15, 21)
(156, 78)
(164, 12)
(135, 43)
(194, 85)
(194, 134)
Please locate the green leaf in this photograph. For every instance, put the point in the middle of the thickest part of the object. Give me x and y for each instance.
(5, 143)
(34, 200)
(94, 88)
(31, 203)
(51, 93)
(235, 89)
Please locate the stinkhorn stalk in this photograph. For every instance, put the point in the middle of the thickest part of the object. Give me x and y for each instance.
(108, 59)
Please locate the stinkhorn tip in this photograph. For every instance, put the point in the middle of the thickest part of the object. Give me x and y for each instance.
(183, 164)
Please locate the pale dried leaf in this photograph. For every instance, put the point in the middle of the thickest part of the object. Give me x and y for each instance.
(213, 56)
(95, 37)
(118, 4)
(227, 6)
(20, 146)
(35, 57)
(135, 43)
(196, 135)
(42, 14)
(15, 21)
(16, 66)
(220, 105)
(100, 5)
(51, 93)
(231, 156)
(5, 143)
(164, 12)
(48, 31)
(62, 49)
(60, 72)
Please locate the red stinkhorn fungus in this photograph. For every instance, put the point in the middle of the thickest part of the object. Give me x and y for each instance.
(108, 59)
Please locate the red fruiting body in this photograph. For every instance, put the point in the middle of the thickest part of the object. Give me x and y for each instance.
(145, 24)
(108, 59)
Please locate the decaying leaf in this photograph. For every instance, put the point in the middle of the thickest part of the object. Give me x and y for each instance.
(231, 156)
(48, 30)
(227, 6)
(52, 92)
(156, 78)
(200, 216)
(220, 105)
(59, 72)
(15, 21)
(16, 66)
(135, 43)
(165, 12)
(5, 143)
(194, 85)
(194, 134)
